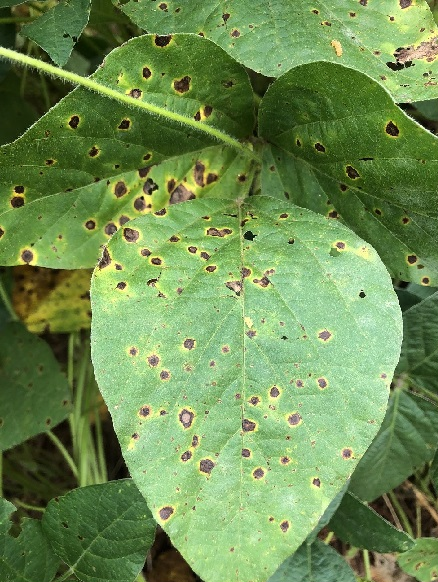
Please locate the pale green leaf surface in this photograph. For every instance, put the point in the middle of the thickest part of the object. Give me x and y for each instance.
(339, 137)
(28, 557)
(406, 440)
(103, 532)
(359, 525)
(57, 30)
(34, 395)
(422, 560)
(64, 171)
(392, 41)
(315, 562)
(239, 350)
(418, 363)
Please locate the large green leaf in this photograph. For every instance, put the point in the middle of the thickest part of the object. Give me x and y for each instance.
(34, 395)
(28, 557)
(359, 525)
(392, 41)
(419, 356)
(339, 137)
(58, 29)
(406, 440)
(422, 560)
(82, 170)
(314, 562)
(102, 532)
(245, 353)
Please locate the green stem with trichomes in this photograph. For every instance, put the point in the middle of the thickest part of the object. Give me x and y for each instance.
(90, 83)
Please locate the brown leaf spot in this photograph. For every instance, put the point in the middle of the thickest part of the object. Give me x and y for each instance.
(263, 282)
(412, 259)
(258, 473)
(347, 453)
(162, 41)
(186, 417)
(195, 440)
(245, 272)
(124, 124)
(17, 202)
(324, 335)
(110, 228)
(235, 33)
(219, 232)
(208, 109)
(182, 85)
(161, 212)
(294, 419)
(163, 6)
(174, 238)
(140, 204)
(146, 73)
(319, 147)
(136, 93)
(144, 411)
(90, 225)
(133, 351)
(206, 466)
(130, 235)
(425, 281)
(105, 260)
(274, 392)
(145, 252)
(93, 152)
(120, 189)
(27, 256)
(153, 360)
(225, 349)
(121, 285)
(123, 219)
(204, 256)
(149, 186)
(427, 50)
(246, 453)
(74, 121)
(284, 526)
(340, 245)
(192, 250)
(285, 460)
(197, 116)
(254, 400)
(211, 268)
(164, 375)
(405, 4)
(391, 129)
(156, 261)
(235, 286)
(186, 456)
(189, 344)
(181, 194)
(166, 512)
(316, 482)
(248, 425)
(352, 172)
(322, 383)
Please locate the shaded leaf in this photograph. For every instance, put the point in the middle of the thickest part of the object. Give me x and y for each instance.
(84, 164)
(192, 341)
(359, 525)
(28, 557)
(52, 300)
(418, 363)
(339, 137)
(20, 114)
(314, 562)
(422, 560)
(102, 532)
(57, 30)
(7, 39)
(395, 42)
(406, 440)
(34, 395)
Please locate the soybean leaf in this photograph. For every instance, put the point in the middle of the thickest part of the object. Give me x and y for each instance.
(196, 312)
(359, 525)
(421, 561)
(314, 562)
(82, 170)
(375, 165)
(392, 41)
(28, 557)
(58, 29)
(406, 440)
(327, 515)
(52, 300)
(418, 363)
(102, 532)
(34, 395)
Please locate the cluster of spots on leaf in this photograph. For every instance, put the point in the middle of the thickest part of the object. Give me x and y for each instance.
(219, 232)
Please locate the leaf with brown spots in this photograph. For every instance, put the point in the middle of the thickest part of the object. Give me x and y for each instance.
(75, 177)
(378, 171)
(391, 41)
(249, 397)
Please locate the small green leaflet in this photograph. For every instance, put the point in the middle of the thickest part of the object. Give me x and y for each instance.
(245, 352)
